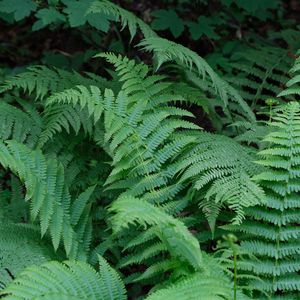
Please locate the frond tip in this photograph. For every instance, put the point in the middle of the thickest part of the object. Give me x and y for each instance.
(179, 241)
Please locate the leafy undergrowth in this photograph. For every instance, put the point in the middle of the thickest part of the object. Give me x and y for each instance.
(149, 150)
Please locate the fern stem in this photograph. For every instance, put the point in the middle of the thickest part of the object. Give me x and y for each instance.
(235, 274)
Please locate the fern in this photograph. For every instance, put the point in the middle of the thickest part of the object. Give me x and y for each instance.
(166, 50)
(225, 168)
(59, 118)
(22, 126)
(20, 247)
(292, 86)
(210, 284)
(126, 18)
(196, 287)
(50, 200)
(260, 73)
(119, 168)
(172, 232)
(272, 235)
(68, 280)
(44, 81)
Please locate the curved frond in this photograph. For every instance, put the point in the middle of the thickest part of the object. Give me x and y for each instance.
(45, 184)
(166, 51)
(179, 241)
(20, 247)
(68, 280)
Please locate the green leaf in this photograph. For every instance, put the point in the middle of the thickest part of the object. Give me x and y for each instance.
(168, 19)
(204, 26)
(227, 2)
(253, 6)
(99, 21)
(20, 8)
(78, 15)
(47, 16)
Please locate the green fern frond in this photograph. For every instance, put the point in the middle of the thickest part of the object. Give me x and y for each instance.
(18, 124)
(259, 73)
(45, 184)
(292, 86)
(225, 168)
(20, 247)
(271, 231)
(68, 280)
(126, 18)
(180, 243)
(43, 81)
(166, 51)
(195, 287)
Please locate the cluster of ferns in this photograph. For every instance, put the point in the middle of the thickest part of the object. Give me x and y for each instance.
(110, 189)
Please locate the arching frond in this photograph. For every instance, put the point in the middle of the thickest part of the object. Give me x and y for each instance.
(166, 51)
(20, 247)
(43, 81)
(68, 280)
(18, 124)
(126, 18)
(45, 184)
(224, 168)
(180, 243)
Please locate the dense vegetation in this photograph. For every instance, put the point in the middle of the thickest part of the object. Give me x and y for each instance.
(149, 149)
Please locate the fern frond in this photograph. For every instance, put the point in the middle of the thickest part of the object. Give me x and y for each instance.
(259, 73)
(45, 184)
(180, 243)
(292, 86)
(225, 168)
(194, 287)
(18, 125)
(20, 247)
(68, 280)
(43, 81)
(126, 18)
(271, 231)
(166, 51)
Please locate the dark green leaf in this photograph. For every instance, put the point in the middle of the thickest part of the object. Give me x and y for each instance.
(20, 8)
(168, 19)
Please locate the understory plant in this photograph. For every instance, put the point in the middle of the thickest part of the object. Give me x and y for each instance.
(112, 189)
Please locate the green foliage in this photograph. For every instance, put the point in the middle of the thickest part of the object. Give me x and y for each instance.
(46, 17)
(256, 75)
(20, 247)
(67, 280)
(78, 14)
(22, 126)
(195, 287)
(203, 26)
(179, 242)
(142, 162)
(168, 19)
(50, 199)
(166, 51)
(225, 168)
(20, 9)
(271, 233)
